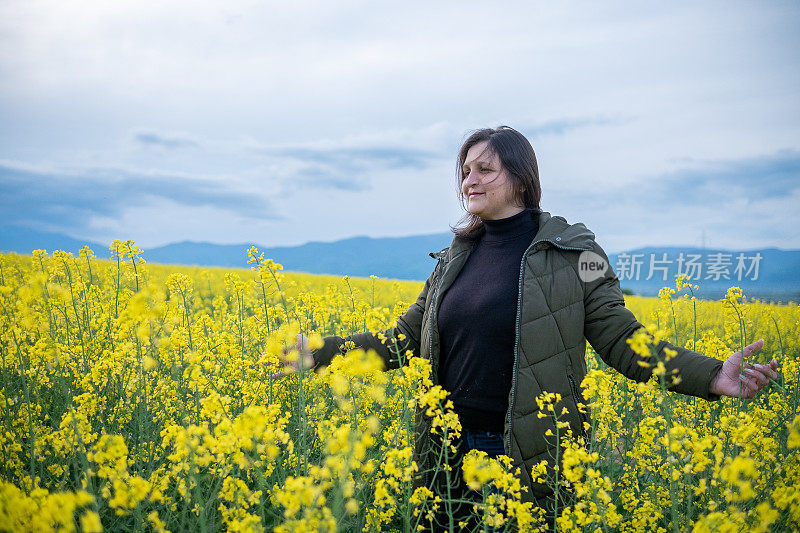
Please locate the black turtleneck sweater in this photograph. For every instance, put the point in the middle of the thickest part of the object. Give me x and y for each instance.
(477, 319)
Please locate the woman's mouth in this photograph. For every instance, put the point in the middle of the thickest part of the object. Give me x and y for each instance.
(474, 194)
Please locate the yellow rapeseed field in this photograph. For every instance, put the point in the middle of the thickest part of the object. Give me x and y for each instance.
(140, 398)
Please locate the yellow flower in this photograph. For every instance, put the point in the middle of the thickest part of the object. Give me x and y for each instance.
(90, 522)
(793, 440)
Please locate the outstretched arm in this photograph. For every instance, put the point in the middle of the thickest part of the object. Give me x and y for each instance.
(406, 333)
(608, 324)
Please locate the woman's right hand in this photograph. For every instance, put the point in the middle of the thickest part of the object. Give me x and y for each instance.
(289, 366)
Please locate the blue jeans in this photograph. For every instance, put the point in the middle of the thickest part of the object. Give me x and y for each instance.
(492, 444)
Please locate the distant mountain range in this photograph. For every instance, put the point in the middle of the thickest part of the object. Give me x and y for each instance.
(387, 257)
(769, 273)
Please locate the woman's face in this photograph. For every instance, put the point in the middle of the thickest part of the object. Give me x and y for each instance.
(486, 185)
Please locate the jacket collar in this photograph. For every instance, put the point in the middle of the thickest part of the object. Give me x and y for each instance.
(560, 233)
(553, 230)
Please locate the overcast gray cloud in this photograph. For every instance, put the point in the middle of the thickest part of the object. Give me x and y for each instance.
(346, 168)
(358, 157)
(148, 139)
(280, 123)
(563, 125)
(324, 177)
(70, 201)
(716, 184)
(742, 203)
(764, 177)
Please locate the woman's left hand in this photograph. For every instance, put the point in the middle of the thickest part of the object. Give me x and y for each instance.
(730, 381)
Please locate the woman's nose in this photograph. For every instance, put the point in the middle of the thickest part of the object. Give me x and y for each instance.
(469, 179)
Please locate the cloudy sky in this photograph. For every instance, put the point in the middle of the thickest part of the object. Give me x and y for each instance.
(278, 123)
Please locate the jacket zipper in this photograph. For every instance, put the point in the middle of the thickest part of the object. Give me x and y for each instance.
(436, 280)
(432, 312)
(513, 393)
(582, 414)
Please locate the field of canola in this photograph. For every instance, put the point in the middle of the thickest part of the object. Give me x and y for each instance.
(139, 398)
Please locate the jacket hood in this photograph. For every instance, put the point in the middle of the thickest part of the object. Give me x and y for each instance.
(554, 230)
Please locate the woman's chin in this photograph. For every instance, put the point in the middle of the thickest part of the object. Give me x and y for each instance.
(474, 209)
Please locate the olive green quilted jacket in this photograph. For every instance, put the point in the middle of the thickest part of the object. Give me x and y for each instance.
(557, 313)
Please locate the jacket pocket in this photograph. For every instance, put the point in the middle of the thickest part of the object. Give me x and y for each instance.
(582, 418)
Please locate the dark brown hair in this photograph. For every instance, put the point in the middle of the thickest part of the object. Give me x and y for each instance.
(518, 159)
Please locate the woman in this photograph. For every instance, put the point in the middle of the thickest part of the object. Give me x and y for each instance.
(507, 311)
